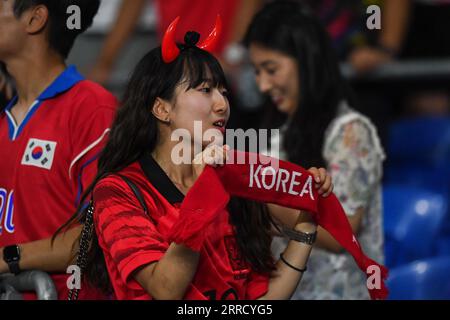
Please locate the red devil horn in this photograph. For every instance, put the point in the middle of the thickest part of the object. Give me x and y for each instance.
(169, 48)
(209, 44)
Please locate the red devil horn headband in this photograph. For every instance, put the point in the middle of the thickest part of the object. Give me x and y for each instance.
(170, 50)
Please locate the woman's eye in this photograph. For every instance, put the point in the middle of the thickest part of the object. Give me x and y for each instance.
(225, 93)
(205, 89)
(271, 71)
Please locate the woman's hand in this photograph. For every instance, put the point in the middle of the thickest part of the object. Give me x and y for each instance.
(323, 181)
(213, 155)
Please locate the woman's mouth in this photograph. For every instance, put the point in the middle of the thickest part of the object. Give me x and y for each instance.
(220, 125)
(277, 100)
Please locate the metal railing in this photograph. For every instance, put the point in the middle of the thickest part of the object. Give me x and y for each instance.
(12, 286)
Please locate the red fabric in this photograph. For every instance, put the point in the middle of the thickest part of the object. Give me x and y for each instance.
(199, 16)
(195, 216)
(131, 240)
(293, 187)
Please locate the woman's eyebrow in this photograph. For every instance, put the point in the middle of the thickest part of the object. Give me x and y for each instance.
(267, 63)
(207, 81)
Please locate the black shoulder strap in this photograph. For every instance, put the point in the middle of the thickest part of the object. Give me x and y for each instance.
(136, 192)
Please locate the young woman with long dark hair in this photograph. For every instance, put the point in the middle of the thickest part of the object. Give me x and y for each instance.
(296, 67)
(124, 244)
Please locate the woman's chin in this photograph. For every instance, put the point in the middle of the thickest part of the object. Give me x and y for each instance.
(283, 108)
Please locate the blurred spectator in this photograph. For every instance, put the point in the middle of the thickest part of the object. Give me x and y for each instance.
(296, 66)
(346, 23)
(197, 15)
(388, 41)
(428, 38)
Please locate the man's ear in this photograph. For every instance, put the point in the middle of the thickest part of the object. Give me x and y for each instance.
(37, 19)
(161, 110)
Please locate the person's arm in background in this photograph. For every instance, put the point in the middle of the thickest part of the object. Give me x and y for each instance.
(355, 165)
(243, 17)
(128, 16)
(234, 52)
(42, 255)
(395, 21)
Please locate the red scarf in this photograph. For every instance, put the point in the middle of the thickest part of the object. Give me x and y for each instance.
(287, 185)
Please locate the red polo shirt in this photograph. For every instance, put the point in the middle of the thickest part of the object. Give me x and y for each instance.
(47, 160)
(131, 239)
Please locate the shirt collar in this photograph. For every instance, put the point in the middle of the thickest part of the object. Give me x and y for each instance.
(159, 179)
(65, 81)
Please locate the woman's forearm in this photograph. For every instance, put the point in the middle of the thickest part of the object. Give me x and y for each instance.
(284, 280)
(169, 278)
(42, 255)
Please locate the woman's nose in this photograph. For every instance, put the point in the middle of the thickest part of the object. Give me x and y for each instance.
(220, 102)
(264, 83)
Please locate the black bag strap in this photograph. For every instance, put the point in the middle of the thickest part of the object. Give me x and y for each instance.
(136, 192)
(73, 293)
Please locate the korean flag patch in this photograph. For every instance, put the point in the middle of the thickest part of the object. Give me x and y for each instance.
(39, 153)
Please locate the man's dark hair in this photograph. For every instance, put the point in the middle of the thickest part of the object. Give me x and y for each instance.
(60, 38)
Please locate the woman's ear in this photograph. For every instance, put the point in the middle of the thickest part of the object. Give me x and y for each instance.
(37, 19)
(161, 110)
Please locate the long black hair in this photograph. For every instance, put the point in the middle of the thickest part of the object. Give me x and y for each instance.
(288, 27)
(135, 132)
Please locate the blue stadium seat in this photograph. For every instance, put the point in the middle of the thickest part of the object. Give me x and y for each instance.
(413, 218)
(419, 176)
(421, 280)
(419, 153)
(443, 245)
(426, 140)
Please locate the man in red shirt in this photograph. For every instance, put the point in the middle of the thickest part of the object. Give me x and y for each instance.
(50, 134)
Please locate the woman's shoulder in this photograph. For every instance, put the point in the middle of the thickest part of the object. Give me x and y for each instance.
(346, 116)
(116, 180)
(350, 124)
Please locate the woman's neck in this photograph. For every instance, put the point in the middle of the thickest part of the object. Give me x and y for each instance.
(180, 174)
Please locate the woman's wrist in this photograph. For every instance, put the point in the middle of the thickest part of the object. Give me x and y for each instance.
(305, 223)
(302, 233)
(306, 227)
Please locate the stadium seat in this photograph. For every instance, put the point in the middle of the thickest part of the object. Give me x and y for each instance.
(421, 280)
(413, 218)
(426, 140)
(419, 153)
(443, 245)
